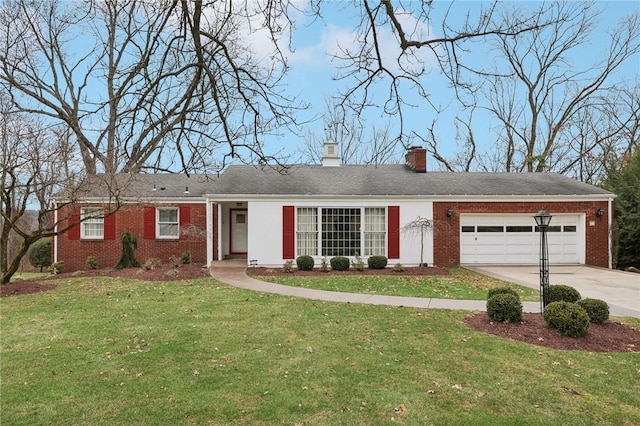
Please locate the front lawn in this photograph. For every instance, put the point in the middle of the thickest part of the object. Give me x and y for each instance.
(461, 284)
(104, 351)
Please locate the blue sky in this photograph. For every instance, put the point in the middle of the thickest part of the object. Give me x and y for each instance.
(312, 69)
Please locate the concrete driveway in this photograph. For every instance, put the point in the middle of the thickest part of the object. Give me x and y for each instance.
(621, 290)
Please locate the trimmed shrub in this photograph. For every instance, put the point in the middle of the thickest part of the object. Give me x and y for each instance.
(568, 318)
(56, 267)
(305, 263)
(288, 266)
(91, 262)
(502, 290)
(377, 262)
(562, 293)
(185, 259)
(597, 309)
(504, 307)
(40, 253)
(339, 263)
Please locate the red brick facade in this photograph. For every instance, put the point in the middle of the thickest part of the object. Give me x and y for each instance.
(446, 236)
(73, 250)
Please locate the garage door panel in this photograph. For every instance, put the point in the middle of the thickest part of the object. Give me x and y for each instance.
(512, 239)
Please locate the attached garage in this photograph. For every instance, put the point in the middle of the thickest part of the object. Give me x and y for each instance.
(512, 239)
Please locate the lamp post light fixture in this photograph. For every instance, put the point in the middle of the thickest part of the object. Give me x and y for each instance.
(542, 220)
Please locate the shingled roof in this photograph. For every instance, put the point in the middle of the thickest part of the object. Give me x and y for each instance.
(346, 180)
(392, 180)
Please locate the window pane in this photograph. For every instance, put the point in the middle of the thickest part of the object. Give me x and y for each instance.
(307, 231)
(468, 229)
(92, 225)
(168, 225)
(519, 228)
(374, 231)
(168, 215)
(569, 228)
(340, 232)
(490, 229)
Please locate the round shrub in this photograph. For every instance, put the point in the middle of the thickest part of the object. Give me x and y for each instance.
(40, 253)
(339, 263)
(377, 262)
(568, 318)
(504, 307)
(597, 309)
(502, 290)
(562, 293)
(305, 263)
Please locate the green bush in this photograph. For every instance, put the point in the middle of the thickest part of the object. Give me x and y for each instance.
(502, 290)
(339, 263)
(40, 253)
(127, 259)
(377, 262)
(185, 259)
(562, 293)
(305, 263)
(504, 307)
(568, 318)
(56, 267)
(91, 262)
(597, 309)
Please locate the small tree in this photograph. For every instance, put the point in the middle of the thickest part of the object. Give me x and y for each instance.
(40, 253)
(421, 226)
(127, 259)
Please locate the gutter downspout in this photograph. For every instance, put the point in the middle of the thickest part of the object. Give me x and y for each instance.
(55, 230)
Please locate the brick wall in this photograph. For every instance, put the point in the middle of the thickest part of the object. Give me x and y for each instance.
(74, 252)
(446, 235)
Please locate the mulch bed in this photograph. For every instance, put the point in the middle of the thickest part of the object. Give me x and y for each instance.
(315, 272)
(608, 337)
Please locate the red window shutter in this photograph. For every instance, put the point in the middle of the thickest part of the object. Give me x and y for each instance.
(149, 231)
(110, 227)
(74, 222)
(393, 232)
(185, 218)
(288, 232)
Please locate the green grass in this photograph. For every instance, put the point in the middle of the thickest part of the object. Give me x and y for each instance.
(461, 284)
(106, 351)
(29, 275)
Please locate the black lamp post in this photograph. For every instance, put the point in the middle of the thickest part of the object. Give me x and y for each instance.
(542, 220)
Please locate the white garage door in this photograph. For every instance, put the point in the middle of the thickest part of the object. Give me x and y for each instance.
(514, 240)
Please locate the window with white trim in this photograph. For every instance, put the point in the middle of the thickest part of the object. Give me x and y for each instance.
(92, 223)
(307, 231)
(168, 223)
(374, 231)
(341, 231)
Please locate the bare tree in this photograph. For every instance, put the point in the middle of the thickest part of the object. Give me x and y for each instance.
(358, 145)
(163, 84)
(549, 112)
(36, 163)
(178, 84)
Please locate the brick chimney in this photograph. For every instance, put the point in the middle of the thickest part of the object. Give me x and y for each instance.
(416, 159)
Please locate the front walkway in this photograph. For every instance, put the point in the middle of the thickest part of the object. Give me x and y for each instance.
(233, 273)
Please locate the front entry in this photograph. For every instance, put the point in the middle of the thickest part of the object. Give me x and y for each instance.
(238, 234)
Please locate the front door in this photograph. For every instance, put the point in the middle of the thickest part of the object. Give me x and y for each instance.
(239, 231)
